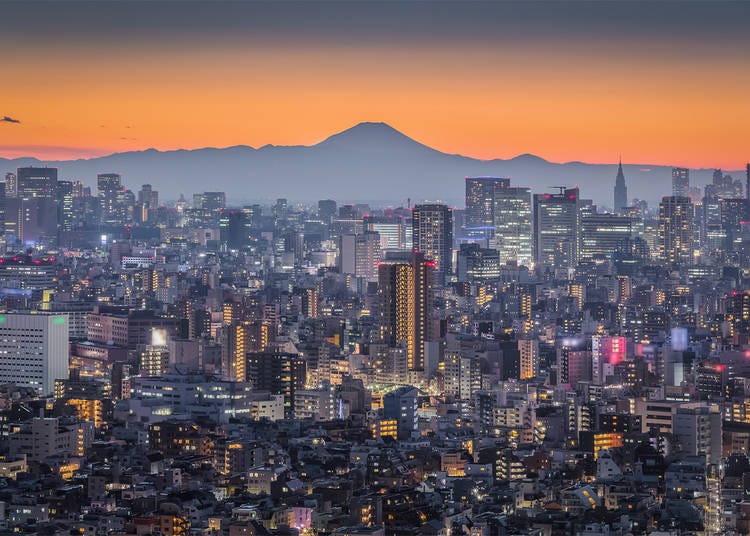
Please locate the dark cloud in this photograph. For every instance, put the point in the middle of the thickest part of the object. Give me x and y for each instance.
(6, 119)
(380, 22)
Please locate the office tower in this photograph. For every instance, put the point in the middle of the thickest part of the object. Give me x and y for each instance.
(480, 205)
(148, 197)
(676, 230)
(65, 213)
(621, 190)
(733, 213)
(234, 229)
(33, 350)
(37, 182)
(601, 234)
(31, 220)
(529, 358)
(115, 202)
(281, 207)
(712, 235)
(107, 187)
(390, 228)
(477, 264)
(11, 183)
(680, 182)
(210, 201)
(367, 255)
(405, 300)
(277, 372)
(432, 234)
(556, 228)
(512, 225)
(747, 184)
(327, 210)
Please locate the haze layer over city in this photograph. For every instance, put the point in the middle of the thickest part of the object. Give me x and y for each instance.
(375, 268)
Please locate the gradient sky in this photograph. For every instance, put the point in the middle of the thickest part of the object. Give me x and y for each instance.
(661, 83)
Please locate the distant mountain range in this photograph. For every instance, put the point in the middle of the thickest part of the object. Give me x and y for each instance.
(368, 162)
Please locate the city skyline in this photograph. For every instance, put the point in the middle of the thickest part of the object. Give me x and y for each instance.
(566, 82)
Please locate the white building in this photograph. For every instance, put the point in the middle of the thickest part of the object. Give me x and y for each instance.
(200, 394)
(33, 350)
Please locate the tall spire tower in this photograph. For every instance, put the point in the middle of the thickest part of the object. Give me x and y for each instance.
(621, 191)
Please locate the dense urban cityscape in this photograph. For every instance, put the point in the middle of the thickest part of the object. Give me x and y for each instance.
(529, 364)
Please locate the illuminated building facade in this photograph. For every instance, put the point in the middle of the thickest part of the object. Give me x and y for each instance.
(557, 221)
(676, 230)
(33, 350)
(480, 205)
(432, 234)
(405, 299)
(512, 225)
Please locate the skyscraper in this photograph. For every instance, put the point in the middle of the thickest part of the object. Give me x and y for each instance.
(601, 234)
(65, 215)
(557, 220)
(11, 184)
(680, 182)
(512, 225)
(37, 182)
(148, 197)
(733, 213)
(114, 201)
(676, 230)
(367, 256)
(327, 210)
(33, 350)
(390, 229)
(480, 205)
(432, 232)
(621, 190)
(405, 301)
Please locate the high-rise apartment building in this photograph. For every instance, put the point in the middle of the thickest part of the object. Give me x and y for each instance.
(680, 182)
(432, 234)
(33, 350)
(277, 372)
(528, 350)
(557, 219)
(480, 205)
(676, 230)
(405, 300)
(512, 225)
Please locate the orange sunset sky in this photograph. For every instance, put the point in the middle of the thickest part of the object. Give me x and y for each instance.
(659, 83)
